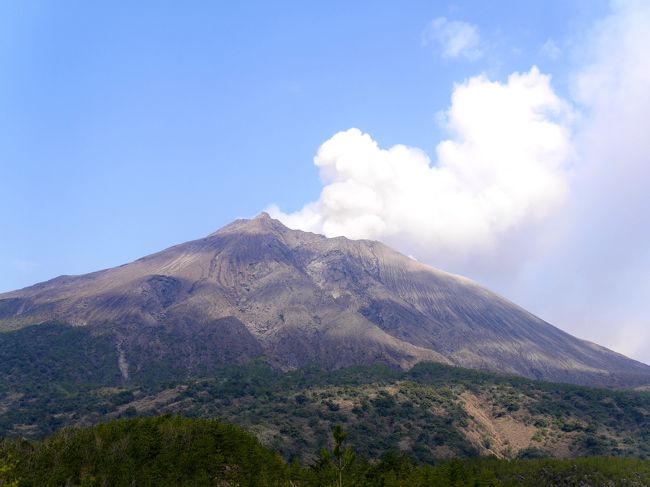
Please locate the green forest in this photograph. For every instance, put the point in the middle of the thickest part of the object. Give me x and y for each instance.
(72, 421)
(171, 450)
(432, 412)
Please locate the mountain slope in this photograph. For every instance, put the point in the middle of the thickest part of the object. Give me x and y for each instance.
(256, 288)
(431, 411)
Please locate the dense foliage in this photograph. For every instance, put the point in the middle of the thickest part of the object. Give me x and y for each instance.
(170, 450)
(154, 451)
(431, 412)
(55, 356)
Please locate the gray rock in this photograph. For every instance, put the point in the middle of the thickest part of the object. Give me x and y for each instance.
(256, 288)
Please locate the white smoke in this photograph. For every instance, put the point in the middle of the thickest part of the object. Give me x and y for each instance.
(601, 269)
(505, 164)
(557, 204)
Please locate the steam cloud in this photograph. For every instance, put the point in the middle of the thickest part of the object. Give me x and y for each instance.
(506, 163)
(542, 199)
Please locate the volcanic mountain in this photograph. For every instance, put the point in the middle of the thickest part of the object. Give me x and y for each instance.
(255, 288)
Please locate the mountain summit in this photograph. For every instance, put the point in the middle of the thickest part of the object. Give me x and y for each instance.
(256, 288)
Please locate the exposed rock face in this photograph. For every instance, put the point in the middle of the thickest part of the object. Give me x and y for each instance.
(257, 288)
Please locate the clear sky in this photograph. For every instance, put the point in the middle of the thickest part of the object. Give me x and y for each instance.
(127, 127)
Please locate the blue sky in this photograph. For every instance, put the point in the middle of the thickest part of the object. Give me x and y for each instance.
(127, 127)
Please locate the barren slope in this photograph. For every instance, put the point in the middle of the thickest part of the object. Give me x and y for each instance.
(258, 288)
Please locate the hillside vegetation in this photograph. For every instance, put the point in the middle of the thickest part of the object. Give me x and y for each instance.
(430, 412)
(170, 450)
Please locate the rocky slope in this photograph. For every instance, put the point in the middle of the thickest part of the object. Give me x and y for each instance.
(256, 288)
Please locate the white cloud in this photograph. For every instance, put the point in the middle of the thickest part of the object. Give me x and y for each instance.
(550, 49)
(504, 165)
(603, 264)
(509, 164)
(455, 39)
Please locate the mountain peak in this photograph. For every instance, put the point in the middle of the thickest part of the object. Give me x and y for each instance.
(260, 224)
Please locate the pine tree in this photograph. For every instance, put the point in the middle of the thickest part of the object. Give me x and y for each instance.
(344, 457)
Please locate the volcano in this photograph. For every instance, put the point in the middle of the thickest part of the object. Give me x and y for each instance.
(256, 289)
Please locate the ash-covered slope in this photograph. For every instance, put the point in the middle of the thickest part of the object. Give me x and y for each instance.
(256, 288)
